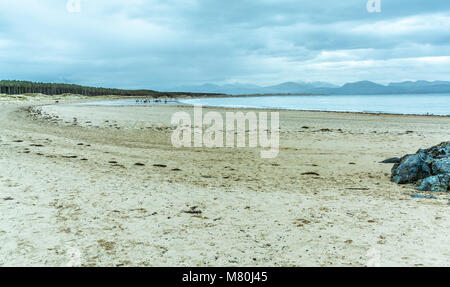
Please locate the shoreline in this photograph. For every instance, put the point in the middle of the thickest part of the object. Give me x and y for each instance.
(177, 103)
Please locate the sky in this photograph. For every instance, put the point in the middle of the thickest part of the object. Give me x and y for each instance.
(165, 44)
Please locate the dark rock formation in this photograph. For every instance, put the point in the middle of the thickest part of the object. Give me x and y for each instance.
(441, 166)
(410, 169)
(436, 183)
(391, 160)
(428, 168)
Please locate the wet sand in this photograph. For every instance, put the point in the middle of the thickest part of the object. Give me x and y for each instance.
(107, 183)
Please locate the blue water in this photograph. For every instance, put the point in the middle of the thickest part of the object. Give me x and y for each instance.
(436, 104)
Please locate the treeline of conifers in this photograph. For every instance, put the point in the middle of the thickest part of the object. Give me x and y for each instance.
(26, 87)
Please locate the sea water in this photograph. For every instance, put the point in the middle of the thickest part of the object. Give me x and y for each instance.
(419, 104)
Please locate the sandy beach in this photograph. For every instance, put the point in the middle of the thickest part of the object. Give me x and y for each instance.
(106, 184)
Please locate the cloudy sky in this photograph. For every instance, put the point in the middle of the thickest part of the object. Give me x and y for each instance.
(164, 44)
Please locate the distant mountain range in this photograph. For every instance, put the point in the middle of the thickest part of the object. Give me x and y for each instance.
(357, 88)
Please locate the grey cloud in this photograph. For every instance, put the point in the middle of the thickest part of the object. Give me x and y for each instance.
(162, 44)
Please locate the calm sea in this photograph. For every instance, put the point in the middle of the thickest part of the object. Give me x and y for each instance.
(436, 104)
